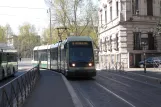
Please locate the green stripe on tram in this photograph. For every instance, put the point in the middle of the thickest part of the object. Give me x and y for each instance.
(43, 65)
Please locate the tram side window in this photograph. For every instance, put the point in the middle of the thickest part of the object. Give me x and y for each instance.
(4, 57)
(63, 52)
(11, 57)
(36, 55)
(54, 54)
(0, 58)
(43, 56)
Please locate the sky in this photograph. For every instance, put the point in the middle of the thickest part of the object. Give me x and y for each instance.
(17, 12)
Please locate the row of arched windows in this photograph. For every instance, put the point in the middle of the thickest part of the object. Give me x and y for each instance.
(108, 44)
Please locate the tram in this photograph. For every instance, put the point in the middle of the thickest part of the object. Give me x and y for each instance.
(41, 55)
(73, 57)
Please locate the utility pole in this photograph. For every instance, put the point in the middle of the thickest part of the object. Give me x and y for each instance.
(144, 59)
(50, 26)
(49, 11)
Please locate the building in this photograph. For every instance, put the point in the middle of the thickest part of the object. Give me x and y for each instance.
(127, 29)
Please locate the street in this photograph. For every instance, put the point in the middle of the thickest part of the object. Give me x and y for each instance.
(107, 89)
(115, 89)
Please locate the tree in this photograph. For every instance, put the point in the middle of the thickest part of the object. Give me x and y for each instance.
(27, 40)
(46, 36)
(77, 15)
(2, 34)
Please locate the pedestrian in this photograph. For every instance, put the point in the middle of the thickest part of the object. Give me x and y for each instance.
(20, 58)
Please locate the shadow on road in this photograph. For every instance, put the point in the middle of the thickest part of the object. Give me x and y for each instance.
(80, 79)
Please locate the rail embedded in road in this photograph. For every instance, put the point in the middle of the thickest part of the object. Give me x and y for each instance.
(14, 93)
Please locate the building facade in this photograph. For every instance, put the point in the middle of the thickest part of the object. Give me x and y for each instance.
(127, 29)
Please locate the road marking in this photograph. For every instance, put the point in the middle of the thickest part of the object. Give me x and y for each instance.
(136, 80)
(88, 100)
(114, 94)
(115, 80)
(73, 94)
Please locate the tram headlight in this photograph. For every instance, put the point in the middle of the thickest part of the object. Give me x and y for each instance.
(90, 64)
(73, 64)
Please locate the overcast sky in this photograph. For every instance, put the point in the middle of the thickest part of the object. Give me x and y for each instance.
(16, 12)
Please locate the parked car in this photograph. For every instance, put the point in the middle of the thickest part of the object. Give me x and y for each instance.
(151, 62)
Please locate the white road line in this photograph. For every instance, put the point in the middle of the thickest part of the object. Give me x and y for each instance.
(73, 94)
(89, 101)
(145, 76)
(115, 80)
(136, 80)
(114, 94)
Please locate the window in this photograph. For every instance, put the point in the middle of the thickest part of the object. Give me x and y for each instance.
(105, 16)
(110, 44)
(160, 7)
(137, 40)
(101, 19)
(117, 9)
(117, 42)
(101, 45)
(150, 41)
(135, 6)
(111, 13)
(150, 7)
(146, 38)
(105, 45)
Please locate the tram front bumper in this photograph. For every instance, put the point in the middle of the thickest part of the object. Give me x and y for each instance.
(81, 73)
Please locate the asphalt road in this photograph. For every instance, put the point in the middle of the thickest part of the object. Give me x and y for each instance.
(107, 89)
(118, 89)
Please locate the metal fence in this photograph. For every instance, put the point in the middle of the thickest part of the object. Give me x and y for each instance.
(14, 93)
(118, 66)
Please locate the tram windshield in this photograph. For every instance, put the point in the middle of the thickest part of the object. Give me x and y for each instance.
(81, 51)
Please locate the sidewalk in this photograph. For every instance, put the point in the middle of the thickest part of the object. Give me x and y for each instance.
(50, 91)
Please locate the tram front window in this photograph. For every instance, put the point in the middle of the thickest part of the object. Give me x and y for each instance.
(81, 53)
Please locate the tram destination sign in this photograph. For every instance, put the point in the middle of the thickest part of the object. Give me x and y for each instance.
(80, 43)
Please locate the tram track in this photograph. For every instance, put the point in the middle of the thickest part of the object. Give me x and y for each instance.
(96, 96)
(133, 92)
(131, 79)
(81, 94)
(126, 85)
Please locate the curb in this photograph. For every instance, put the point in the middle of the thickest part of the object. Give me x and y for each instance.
(73, 94)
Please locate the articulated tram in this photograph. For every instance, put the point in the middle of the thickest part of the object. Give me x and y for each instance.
(74, 57)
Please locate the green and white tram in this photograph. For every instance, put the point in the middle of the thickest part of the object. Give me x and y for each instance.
(8, 62)
(79, 59)
(74, 57)
(41, 54)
